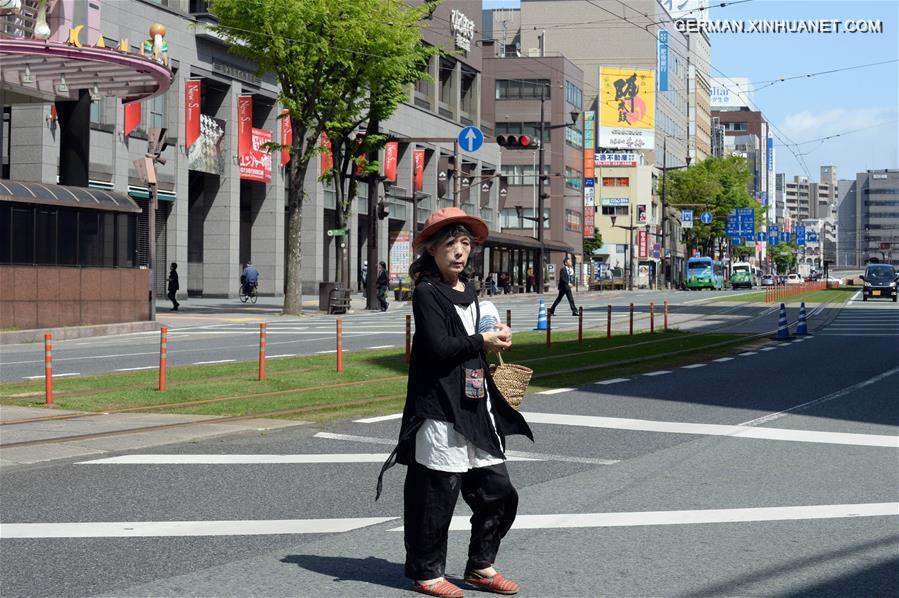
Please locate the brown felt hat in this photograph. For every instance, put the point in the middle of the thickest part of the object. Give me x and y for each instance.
(447, 216)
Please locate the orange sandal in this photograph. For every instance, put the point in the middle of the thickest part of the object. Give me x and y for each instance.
(442, 589)
(496, 584)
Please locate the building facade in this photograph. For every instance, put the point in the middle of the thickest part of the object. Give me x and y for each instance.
(869, 218)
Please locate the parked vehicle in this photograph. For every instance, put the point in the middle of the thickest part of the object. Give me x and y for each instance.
(794, 279)
(704, 273)
(880, 282)
(769, 280)
(833, 282)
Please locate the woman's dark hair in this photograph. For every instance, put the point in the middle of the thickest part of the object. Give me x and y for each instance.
(426, 265)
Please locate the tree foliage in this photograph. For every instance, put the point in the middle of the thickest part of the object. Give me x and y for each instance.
(334, 61)
(718, 185)
(591, 243)
(784, 255)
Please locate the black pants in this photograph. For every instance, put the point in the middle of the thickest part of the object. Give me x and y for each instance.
(174, 301)
(382, 298)
(566, 292)
(429, 500)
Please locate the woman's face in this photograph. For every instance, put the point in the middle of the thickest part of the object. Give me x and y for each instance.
(451, 255)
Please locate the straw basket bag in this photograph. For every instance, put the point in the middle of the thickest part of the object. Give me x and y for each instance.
(511, 380)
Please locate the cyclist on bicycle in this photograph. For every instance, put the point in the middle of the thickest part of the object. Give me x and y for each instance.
(249, 278)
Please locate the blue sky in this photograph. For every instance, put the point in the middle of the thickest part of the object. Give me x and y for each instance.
(811, 108)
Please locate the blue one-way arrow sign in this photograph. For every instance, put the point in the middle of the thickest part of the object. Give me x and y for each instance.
(706, 217)
(471, 139)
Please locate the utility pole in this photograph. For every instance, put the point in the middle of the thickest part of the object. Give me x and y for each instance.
(538, 270)
(146, 169)
(371, 283)
(662, 278)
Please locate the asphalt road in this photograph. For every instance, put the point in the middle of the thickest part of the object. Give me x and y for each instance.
(772, 473)
(221, 331)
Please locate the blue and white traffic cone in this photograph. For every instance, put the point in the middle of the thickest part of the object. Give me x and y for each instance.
(802, 326)
(783, 328)
(541, 316)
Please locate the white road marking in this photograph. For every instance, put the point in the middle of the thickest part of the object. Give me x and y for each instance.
(658, 373)
(380, 418)
(282, 355)
(748, 353)
(694, 366)
(383, 347)
(723, 359)
(513, 455)
(251, 459)
(767, 348)
(738, 431)
(146, 367)
(554, 391)
(211, 362)
(135, 529)
(325, 352)
(825, 333)
(830, 397)
(41, 377)
(612, 381)
(642, 518)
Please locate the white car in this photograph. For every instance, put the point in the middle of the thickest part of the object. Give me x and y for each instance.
(794, 279)
(833, 282)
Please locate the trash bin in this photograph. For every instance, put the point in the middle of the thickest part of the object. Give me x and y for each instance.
(324, 294)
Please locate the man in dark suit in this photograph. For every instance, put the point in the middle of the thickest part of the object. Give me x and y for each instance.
(173, 286)
(566, 277)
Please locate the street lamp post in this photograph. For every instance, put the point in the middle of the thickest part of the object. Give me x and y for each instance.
(628, 257)
(663, 279)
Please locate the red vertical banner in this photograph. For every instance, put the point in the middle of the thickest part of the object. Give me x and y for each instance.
(244, 127)
(327, 158)
(418, 160)
(132, 117)
(286, 136)
(642, 243)
(589, 224)
(390, 153)
(191, 112)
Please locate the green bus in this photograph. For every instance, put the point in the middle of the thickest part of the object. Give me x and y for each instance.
(704, 273)
(742, 275)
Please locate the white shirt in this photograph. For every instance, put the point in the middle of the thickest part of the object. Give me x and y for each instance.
(438, 445)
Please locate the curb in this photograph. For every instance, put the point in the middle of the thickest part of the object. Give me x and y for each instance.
(36, 335)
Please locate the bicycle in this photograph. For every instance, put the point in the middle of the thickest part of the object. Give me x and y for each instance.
(248, 295)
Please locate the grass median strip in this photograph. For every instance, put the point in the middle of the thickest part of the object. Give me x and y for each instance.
(373, 382)
(840, 295)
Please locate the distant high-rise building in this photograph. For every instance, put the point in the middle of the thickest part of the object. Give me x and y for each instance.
(868, 219)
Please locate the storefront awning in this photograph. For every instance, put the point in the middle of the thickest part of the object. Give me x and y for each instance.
(509, 240)
(65, 196)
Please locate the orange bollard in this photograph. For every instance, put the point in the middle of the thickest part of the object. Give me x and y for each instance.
(631, 326)
(408, 338)
(665, 324)
(48, 369)
(580, 325)
(163, 356)
(652, 317)
(262, 352)
(339, 346)
(609, 323)
(549, 329)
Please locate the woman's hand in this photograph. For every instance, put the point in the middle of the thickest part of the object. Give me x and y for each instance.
(498, 340)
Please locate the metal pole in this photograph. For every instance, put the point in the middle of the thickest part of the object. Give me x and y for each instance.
(151, 247)
(262, 347)
(48, 369)
(457, 174)
(371, 285)
(540, 183)
(661, 277)
(630, 272)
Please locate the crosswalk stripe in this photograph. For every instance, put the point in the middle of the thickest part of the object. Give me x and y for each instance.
(251, 459)
(380, 418)
(699, 516)
(554, 391)
(735, 431)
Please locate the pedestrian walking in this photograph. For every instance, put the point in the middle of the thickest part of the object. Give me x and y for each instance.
(455, 420)
(363, 278)
(531, 280)
(383, 284)
(566, 277)
(173, 286)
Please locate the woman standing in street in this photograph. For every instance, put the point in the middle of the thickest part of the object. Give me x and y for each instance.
(455, 420)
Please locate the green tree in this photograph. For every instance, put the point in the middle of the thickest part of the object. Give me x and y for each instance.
(335, 61)
(718, 185)
(784, 255)
(591, 243)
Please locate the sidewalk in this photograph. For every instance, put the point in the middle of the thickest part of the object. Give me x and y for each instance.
(189, 427)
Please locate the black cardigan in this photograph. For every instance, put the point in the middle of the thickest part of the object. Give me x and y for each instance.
(441, 349)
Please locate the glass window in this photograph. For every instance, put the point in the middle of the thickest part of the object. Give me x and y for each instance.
(512, 218)
(447, 67)
(156, 112)
(107, 221)
(572, 221)
(517, 89)
(614, 210)
(573, 94)
(45, 236)
(5, 233)
(23, 235)
(126, 235)
(67, 243)
(611, 181)
(573, 178)
(574, 137)
(90, 249)
(468, 95)
(522, 174)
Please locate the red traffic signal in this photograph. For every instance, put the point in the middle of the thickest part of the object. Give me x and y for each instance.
(517, 142)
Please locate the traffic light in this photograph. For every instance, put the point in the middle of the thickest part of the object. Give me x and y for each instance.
(383, 212)
(523, 142)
